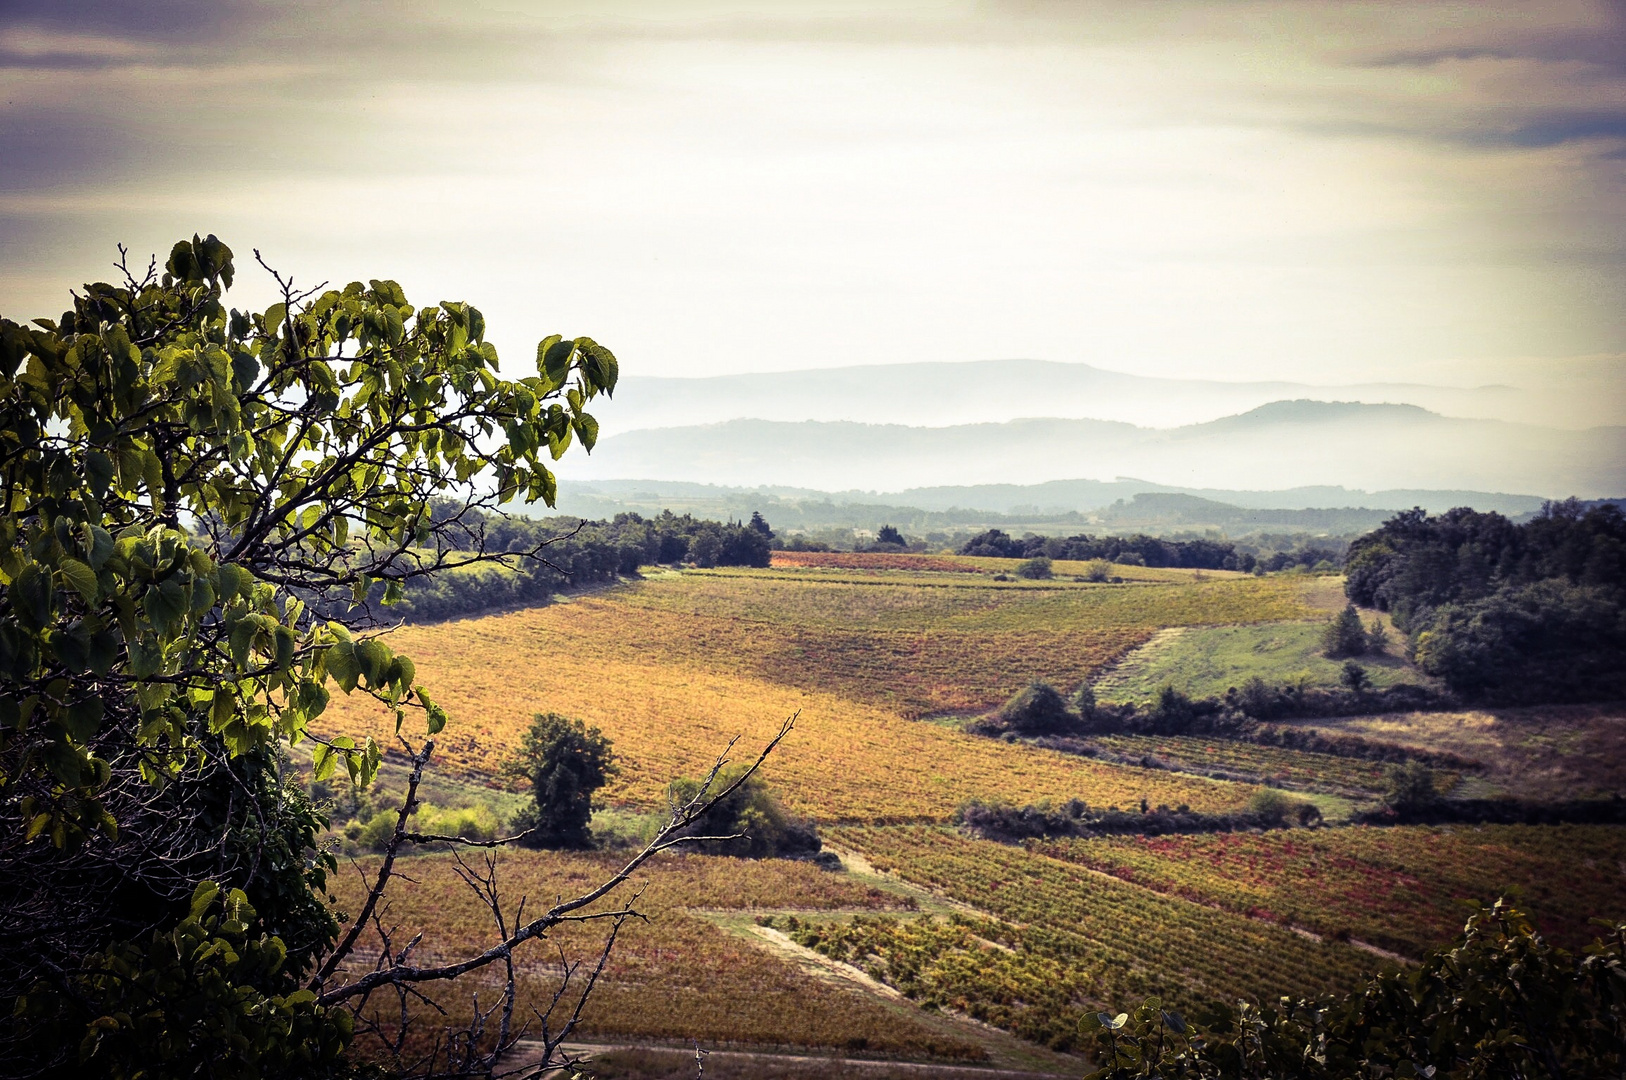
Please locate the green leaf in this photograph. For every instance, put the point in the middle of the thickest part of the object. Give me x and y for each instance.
(82, 719)
(202, 897)
(369, 762)
(80, 578)
(587, 430)
(31, 596)
(283, 642)
(342, 665)
(553, 359)
(224, 709)
(322, 762)
(403, 672)
(98, 544)
(373, 658)
(99, 472)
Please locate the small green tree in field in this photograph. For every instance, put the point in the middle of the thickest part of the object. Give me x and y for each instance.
(1411, 786)
(1344, 636)
(565, 762)
(889, 534)
(1036, 709)
(1036, 569)
(1377, 638)
(1354, 678)
(1097, 570)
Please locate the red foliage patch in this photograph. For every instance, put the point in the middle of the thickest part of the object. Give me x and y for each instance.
(872, 560)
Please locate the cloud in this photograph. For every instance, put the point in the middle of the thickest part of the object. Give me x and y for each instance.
(1257, 189)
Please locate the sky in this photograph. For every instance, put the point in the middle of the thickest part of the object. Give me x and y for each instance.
(1326, 193)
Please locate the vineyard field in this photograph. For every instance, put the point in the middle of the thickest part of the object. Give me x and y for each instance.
(1296, 768)
(673, 667)
(1127, 941)
(844, 762)
(870, 560)
(1403, 888)
(1027, 938)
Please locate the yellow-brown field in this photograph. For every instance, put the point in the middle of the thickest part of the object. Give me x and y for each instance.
(673, 667)
(869, 656)
(845, 761)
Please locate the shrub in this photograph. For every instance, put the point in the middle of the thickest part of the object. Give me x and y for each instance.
(1411, 786)
(757, 824)
(1274, 808)
(477, 822)
(1036, 569)
(1084, 701)
(1037, 709)
(1377, 638)
(564, 761)
(1354, 678)
(1097, 570)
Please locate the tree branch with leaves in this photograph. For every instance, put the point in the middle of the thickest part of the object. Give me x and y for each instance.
(207, 514)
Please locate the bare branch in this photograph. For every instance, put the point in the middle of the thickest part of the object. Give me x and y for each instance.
(564, 911)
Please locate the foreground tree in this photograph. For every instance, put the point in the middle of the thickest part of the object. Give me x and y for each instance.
(205, 509)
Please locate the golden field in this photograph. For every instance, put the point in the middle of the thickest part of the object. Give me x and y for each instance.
(672, 667)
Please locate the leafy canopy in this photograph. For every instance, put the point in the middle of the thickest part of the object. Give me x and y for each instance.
(200, 501)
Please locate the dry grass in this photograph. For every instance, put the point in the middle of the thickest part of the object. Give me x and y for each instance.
(673, 667)
(869, 560)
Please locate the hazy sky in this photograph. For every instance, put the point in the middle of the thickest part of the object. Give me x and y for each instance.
(1316, 191)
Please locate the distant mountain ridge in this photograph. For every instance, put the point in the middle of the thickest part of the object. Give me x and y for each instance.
(940, 394)
(1276, 445)
(1059, 507)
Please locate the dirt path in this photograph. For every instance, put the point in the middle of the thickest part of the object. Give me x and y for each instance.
(779, 942)
(527, 1054)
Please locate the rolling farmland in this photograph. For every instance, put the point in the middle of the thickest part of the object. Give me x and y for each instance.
(673, 667)
(1025, 938)
(1039, 942)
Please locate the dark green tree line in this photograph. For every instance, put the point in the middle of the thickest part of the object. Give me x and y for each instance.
(1503, 612)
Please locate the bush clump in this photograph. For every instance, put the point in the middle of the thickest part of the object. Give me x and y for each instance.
(756, 823)
(1038, 568)
(1037, 709)
(1011, 824)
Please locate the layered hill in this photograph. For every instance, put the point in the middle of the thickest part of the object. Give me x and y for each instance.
(1282, 444)
(938, 394)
